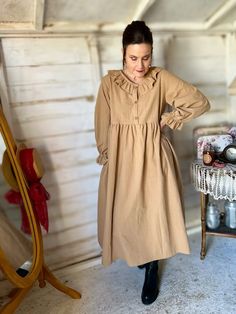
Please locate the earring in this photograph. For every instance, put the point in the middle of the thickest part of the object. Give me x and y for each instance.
(124, 65)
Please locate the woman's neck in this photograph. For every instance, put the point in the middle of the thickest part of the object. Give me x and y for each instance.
(133, 78)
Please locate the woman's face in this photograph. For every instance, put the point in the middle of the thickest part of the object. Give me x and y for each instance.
(138, 59)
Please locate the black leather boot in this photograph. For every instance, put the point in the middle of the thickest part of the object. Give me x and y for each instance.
(150, 287)
(141, 266)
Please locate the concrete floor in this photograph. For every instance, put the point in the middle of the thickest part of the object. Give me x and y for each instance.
(188, 285)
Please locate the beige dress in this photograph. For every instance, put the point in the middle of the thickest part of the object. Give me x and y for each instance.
(140, 210)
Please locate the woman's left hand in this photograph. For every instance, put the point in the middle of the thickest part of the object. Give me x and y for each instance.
(162, 125)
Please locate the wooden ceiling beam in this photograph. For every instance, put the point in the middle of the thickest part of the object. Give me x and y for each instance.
(222, 11)
(142, 8)
(39, 14)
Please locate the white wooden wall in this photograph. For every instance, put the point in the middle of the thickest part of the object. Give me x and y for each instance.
(200, 60)
(52, 84)
(52, 103)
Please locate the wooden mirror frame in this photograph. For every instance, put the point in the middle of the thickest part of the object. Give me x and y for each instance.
(39, 270)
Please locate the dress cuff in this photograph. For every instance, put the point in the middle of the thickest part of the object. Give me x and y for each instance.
(172, 119)
(102, 159)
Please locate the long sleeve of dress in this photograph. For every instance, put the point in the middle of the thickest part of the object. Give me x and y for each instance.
(102, 121)
(186, 100)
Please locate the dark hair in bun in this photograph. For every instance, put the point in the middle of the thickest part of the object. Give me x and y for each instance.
(136, 33)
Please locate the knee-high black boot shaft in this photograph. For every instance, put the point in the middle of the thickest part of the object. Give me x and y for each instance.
(150, 287)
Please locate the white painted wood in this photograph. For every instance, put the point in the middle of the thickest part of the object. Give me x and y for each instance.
(60, 142)
(110, 49)
(185, 59)
(176, 26)
(50, 127)
(48, 74)
(73, 189)
(72, 253)
(198, 46)
(222, 11)
(45, 51)
(142, 8)
(66, 236)
(78, 267)
(230, 57)
(70, 28)
(232, 112)
(63, 207)
(51, 91)
(111, 66)
(70, 157)
(71, 173)
(4, 91)
(10, 29)
(73, 220)
(160, 48)
(95, 60)
(52, 109)
(232, 87)
(16, 11)
(39, 7)
(201, 60)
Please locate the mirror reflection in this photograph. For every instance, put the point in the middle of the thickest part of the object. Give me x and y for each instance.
(15, 238)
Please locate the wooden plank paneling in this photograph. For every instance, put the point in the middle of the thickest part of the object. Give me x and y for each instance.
(44, 74)
(52, 97)
(61, 142)
(38, 111)
(50, 127)
(69, 158)
(63, 207)
(74, 219)
(73, 188)
(65, 236)
(51, 91)
(198, 59)
(72, 253)
(71, 173)
(38, 51)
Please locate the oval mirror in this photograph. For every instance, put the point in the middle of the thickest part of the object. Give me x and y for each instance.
(21, 246)
(20, 241)
(15, 240)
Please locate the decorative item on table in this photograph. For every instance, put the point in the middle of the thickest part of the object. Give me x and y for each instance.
(218, 164)
(212, 216)
(218, 142)
(208, 155)
(230, 214)
(206, 130)
(229, 154)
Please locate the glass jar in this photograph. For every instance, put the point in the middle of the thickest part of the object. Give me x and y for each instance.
(212, 216)
(208, 155)
(230, 214)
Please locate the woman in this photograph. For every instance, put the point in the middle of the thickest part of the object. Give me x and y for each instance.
(140, 210)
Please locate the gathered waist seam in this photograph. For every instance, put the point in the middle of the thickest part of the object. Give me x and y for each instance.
(145, 123)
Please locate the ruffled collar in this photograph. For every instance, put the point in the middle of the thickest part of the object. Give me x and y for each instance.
(127, 85)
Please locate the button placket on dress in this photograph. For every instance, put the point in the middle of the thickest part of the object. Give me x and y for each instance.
(135, 100)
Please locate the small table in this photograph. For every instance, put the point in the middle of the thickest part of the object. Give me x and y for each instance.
(220, 183)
